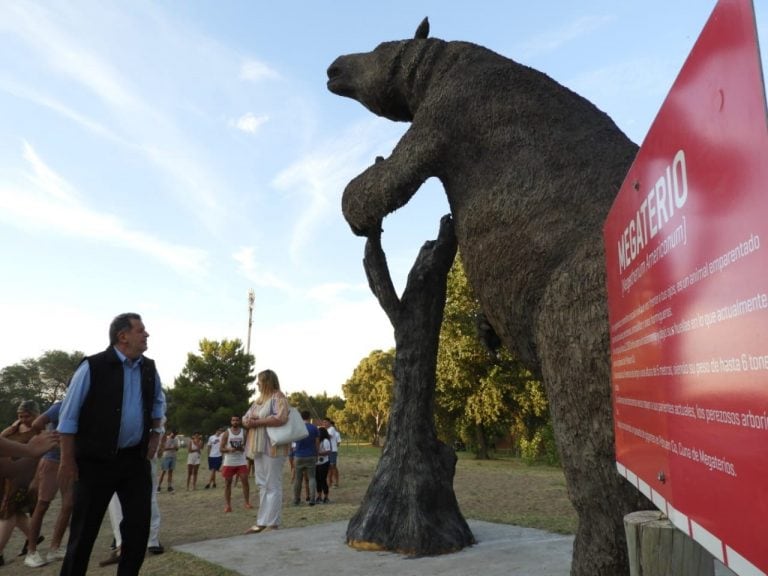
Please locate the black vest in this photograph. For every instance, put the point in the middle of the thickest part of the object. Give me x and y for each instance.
(99, 424)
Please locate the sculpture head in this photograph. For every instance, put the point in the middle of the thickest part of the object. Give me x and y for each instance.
(379, 80)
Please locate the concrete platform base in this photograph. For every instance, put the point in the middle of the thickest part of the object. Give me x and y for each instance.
(501, 550)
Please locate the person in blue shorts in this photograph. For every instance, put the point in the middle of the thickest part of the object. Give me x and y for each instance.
(214, 456)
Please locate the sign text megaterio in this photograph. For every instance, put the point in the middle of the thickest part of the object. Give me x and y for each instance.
(687, 272)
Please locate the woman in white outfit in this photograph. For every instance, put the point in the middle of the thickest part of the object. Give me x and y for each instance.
(270, 409)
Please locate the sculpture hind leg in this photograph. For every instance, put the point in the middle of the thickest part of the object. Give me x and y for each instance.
(572, 342)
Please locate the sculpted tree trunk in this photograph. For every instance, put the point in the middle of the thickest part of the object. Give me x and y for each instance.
(410, 506)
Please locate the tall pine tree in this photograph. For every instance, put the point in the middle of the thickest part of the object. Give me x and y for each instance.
(212, 387)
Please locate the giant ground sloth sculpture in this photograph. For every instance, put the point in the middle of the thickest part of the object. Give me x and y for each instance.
(530, 170)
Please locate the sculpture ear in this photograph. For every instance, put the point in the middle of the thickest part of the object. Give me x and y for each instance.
(423, 30)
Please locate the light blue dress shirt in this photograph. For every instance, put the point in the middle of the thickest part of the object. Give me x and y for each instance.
(132, 420)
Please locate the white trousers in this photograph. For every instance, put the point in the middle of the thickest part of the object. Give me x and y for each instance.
(116, 514)
(268, 473)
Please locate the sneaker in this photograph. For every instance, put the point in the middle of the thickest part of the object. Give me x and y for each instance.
(325, 500)
(156, 549)
(207, 486)
(35, 560)
(170, 488)
(56, 554)
(24, 548)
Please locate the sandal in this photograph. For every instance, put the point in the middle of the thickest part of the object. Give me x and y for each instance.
(255, 529)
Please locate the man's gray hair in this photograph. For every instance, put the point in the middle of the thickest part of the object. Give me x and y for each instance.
(120, 323)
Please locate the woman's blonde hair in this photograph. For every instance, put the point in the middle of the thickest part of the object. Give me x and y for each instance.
(269, 382)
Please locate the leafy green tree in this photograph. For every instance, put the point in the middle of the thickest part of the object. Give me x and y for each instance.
(212, 386)
(483, 395)
(42, 379)
(368, 394)
(319, 406)
(56, 368)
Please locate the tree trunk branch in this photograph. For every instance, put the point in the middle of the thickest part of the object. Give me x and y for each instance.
(410, 506)
(379, 279)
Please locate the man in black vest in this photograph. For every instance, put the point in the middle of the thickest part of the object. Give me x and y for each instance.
(109, 421)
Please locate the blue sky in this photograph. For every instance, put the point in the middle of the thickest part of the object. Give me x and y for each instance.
(165, 158)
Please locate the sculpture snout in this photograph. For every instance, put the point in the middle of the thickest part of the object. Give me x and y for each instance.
(338, 82)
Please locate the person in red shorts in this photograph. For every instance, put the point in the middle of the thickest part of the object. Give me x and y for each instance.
(235, 463)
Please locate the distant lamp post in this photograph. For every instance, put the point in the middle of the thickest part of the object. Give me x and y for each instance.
(251, 300)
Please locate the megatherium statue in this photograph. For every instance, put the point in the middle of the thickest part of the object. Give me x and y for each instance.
(530, 170)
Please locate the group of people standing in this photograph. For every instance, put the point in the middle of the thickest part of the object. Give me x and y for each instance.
(101, 450)
(314, 462)
(169, 447)
(246, 441)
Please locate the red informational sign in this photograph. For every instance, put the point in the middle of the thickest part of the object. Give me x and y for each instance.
(687, 274)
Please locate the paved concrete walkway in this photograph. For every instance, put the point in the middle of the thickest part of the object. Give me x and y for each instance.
(501, 550)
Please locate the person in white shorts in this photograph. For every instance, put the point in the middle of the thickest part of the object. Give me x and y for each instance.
(193, 459)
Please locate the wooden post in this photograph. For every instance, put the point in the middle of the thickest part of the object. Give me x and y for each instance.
(657, 548)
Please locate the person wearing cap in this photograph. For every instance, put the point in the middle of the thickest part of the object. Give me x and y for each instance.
(110, 424)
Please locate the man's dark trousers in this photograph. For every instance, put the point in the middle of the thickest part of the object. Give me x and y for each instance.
(129, 475)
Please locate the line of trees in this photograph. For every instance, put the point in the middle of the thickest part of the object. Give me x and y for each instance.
(43, 379)
(218, 382)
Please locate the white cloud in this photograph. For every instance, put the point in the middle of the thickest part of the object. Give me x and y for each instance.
(48, 181)
(622, 78)
(633, 98)
(27, 93)
(336, 291)
(553, 40)
(319, 178)
(251, 123)
(33, 329)
(64, 53)
(50, 204)
(135, 117)
(255, 71)
(319, 354)
(250, 269)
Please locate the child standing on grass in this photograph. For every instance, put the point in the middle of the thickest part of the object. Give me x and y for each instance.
(193, 459)
(170, 446)
(323, 465)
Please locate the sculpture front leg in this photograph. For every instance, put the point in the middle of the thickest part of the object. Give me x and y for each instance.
(387, 185)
